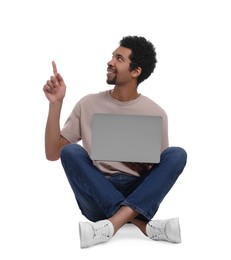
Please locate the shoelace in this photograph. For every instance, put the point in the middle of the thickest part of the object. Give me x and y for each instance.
(101, 232)
(157, 233)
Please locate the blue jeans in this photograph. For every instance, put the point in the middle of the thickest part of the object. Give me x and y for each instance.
(100, 197)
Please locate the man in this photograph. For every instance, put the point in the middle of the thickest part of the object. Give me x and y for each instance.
(111, 194)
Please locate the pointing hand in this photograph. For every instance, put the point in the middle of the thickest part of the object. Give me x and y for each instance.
(55, 88)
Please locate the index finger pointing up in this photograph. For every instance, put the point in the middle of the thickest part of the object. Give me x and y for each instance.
(54, 68)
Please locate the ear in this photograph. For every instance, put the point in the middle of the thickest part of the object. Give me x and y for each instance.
(136, 72)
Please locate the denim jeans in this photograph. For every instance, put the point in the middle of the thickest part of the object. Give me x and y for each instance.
(100, 197)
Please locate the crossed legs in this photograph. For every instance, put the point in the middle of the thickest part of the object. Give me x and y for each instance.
(98, 199)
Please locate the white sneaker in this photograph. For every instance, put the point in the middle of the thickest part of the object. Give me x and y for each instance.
(94, 233)
(167, 230)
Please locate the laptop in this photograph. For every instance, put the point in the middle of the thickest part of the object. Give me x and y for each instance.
(126, 138)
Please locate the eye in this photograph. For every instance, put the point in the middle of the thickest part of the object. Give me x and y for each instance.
(120, 58)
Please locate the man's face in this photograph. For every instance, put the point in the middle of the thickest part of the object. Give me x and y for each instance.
(118, 71)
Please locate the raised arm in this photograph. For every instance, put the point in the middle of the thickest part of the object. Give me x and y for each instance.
(54, 90)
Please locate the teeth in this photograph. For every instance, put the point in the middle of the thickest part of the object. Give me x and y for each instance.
(110, 70)
(110, 74)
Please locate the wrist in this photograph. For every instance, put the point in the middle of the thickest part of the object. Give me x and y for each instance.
(56, 102)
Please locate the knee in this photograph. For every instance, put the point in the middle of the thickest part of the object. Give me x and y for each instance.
(178, 153)
(68, 150)
(73, 151)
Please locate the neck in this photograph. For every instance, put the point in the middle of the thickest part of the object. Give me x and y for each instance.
(124, 94)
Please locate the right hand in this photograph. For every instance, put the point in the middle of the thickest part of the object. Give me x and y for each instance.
(55, 88)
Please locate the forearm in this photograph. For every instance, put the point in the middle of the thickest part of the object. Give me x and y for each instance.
(52, 132)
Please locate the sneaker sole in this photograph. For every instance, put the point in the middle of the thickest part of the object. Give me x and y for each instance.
(175, 223)
(82, 235)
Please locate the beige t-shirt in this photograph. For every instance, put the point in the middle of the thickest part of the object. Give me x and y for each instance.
(78, 126)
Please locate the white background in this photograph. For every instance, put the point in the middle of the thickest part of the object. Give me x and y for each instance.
(38, 213)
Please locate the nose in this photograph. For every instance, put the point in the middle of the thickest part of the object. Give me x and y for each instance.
(111, 62)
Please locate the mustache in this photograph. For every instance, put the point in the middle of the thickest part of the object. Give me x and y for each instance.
(111, 69)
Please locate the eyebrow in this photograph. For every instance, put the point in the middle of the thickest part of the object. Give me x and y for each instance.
(118, 55)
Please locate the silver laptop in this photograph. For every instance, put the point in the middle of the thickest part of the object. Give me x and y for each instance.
(126, 138)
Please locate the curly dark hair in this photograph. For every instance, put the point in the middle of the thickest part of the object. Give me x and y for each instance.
(143, 55)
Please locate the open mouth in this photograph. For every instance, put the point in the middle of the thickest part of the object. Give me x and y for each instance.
(110, 71)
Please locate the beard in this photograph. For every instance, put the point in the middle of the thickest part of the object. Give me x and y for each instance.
(111, 81)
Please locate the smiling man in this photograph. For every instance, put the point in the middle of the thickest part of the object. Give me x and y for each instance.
(111, 194)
